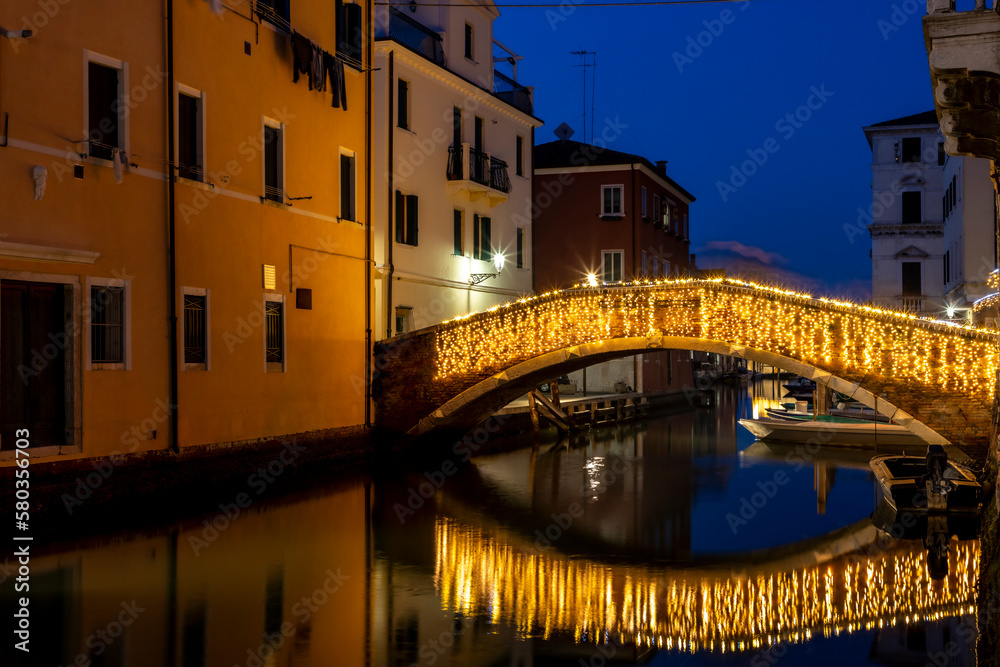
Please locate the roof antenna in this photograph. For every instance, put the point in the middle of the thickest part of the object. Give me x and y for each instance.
(585, 65)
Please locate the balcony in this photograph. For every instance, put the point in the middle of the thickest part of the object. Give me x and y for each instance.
(962, 49)
(475, 174)
(910, 304)
(412, 34)
(511, 92)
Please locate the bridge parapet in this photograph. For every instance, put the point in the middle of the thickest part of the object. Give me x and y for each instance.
(940, 374)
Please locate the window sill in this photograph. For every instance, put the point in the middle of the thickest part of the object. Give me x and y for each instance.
(611, 216)
(356, 65)
(275, 367)
(44, 450)
(201, 185)
(407, 130)
(194, 367)
(275, 204)
(103, 366)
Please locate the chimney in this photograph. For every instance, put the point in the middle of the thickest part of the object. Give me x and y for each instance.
(661, 167)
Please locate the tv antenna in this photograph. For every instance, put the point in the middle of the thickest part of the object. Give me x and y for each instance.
(585, 65)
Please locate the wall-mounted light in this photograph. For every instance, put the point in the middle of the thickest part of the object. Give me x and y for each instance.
(413, 6)
(592, 280)
(498, 262)
(16, 34)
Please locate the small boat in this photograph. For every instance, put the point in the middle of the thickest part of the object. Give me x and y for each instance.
(800, 384)
(926, 484)
(827, 430)
(853, 415)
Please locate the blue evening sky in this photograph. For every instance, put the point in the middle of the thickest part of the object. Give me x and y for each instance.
(704, 114)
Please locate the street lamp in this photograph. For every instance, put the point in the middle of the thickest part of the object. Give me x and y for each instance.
(476, 278)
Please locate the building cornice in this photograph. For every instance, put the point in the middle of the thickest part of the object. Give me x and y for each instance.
(453, 80)
(43, 253)
(906, 229)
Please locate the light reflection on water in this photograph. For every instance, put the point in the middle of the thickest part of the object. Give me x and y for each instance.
(614, 546)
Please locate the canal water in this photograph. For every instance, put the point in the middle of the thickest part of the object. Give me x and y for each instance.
(676, 541)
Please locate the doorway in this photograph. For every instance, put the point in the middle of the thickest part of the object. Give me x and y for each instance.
(33, 343)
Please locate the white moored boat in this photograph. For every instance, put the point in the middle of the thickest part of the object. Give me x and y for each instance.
(849, 432)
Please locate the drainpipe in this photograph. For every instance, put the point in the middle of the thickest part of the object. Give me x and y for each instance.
(389, 238)
(367, 283)
(171, 234)
(636, 365)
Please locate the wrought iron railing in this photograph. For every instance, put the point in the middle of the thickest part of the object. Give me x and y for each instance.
(479, 167)
(415, 36)
(512, 92)
(455, 163)
(498, 175)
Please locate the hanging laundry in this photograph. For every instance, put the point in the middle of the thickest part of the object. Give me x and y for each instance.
(317, 77)
(302, 57)
(334, 67)
(117, 158)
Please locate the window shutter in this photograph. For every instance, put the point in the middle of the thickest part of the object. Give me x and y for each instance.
(412, 224)
(486, 238)
(400, 237)
(475, 237)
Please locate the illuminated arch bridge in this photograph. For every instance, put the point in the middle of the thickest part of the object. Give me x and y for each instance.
(935, 378)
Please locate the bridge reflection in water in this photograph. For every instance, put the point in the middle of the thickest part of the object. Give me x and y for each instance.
(544, 594)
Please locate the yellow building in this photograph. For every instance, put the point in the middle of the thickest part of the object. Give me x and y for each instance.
(183, 236)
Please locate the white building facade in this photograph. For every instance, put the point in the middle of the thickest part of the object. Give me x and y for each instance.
(451, 164)
(907, 225)
(969, 208)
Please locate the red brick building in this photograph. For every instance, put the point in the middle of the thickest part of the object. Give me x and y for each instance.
(603, 212)
(617, 216)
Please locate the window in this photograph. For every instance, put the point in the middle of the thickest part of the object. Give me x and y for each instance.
(666, 217)
(644, 212)
(479, 139)
(611, 200)
(104, 110)
(107, 324)
(190, 137)
(656, 266)
(273, 167)
(911, 207)
(519, 156)
(645, 264)
(482, 243)
(656, 207)
(402, 104)
(196, 327)
(911, 279)
(347, 187)
(274, 333)
(941, 153)
(666, 268)
(349, 32)
(911, 149)
(404, 319)
(406, 218)
(520, 248)
(611, 266)
(947, 266)
(274, 12)
(459, 233)
(468, 41)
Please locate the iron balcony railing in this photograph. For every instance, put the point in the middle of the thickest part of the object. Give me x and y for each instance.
(512, 92)
(455, 163)
(482, 168)
(498, 175)
(415, 36)
(479, 167)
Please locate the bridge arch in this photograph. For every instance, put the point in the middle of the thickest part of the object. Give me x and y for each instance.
(487, 396)
(937, 379)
